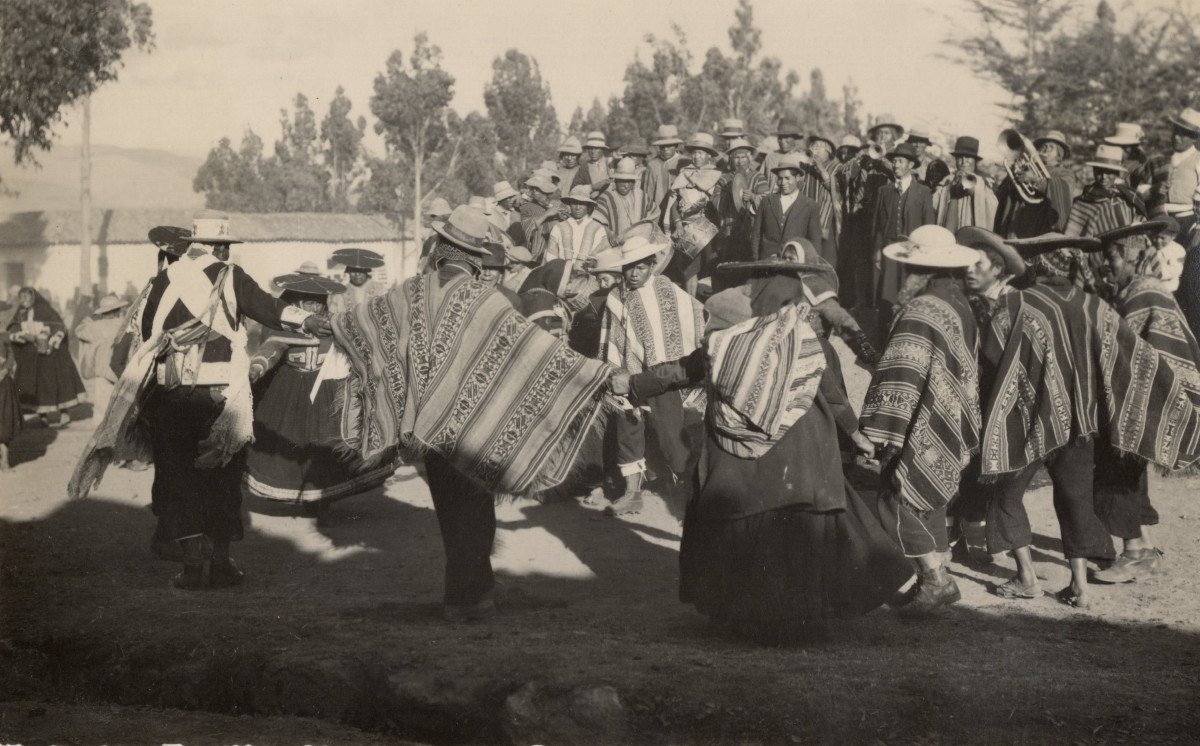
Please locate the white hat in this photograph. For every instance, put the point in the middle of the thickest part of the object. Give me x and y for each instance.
(1109, 157)
(595, 139)
(931, 246)
(637, 248)
(626, 170)
(609, 260)
(1188, 119)
(211, 227)
(1127, 134)
(503, 190)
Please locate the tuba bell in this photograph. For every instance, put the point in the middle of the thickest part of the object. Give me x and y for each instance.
(1025, 167)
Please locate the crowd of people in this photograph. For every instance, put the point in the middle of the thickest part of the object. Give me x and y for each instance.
(1010, 324)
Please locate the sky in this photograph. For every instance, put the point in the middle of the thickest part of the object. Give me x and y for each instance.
(221, 66)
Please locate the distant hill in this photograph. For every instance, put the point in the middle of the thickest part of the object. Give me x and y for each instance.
(121, 178)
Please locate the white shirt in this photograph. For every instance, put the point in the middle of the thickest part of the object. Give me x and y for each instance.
(904, 183)
(787, 200)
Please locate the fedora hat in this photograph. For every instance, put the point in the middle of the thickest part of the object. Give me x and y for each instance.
(739, 143)
(732, 127)
(466, 228)
(850, 141)
(626, 170)
(1127, 134)
(108, 304)
(667, 134)
(885, 120)
(596, 139)
(581, 194)
(637, 149)
(821, 138)
(1109, 157)
(966, 146)
(979, 238)
(791, 161)
(609, 260)
(502, 190)
(437, 208)
(788, 127)
(702, 141)
(1056, 137)
(1188, 119)
(571, 146)
(541, 182)
(637, 248)
(363, 260)
(170, 239)
(1146, 228)
(905, 150)
(1052, 241)
(931, 246)
(918, 136)
(211, 227)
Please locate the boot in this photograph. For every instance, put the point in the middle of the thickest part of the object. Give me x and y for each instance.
(197, 564)
(224, 572)
(631, 502)
(935, 589)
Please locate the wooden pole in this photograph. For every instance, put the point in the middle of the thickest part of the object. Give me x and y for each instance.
(85, 203)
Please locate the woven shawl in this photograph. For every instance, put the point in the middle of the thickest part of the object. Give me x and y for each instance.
(763, 376)
(456, 370)
(924, 398)
(657, 323)
(1072, 368)
(1154, 316)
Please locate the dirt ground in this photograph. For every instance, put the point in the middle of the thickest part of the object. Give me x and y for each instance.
(337, 637)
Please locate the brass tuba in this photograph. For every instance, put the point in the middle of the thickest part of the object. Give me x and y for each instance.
(1023, 164)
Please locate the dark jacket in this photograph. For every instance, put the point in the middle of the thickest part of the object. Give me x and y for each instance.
(773, 229)
(900, 214)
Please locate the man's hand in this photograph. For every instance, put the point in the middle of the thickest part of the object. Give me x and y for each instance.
(618, 383)
(863, 444)
(318, 326)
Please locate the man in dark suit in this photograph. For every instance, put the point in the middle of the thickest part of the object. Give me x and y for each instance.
(904, 205)
(786, 215)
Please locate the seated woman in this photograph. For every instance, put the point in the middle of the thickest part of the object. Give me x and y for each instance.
(293, 457)
(48, 382)
(775, 540)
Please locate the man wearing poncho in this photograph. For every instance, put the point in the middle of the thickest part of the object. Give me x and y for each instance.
(1122, 488)
(1070, 374)
(649, 320)
(922, 406)
(444, 367)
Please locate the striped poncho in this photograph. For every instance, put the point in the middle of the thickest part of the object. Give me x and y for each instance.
(657, 323)
(924, 397)
(1069, 368)
(1152, 313)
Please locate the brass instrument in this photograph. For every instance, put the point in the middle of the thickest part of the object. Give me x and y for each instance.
(1024, 166)
(968, 182)
(874, 155)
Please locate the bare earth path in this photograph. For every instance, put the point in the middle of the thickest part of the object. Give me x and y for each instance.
(337, 638)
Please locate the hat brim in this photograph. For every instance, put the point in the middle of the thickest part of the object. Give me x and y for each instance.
(300, 282)
(1108, 166)
(445, 231)
(357, 260)
(1122, 142)
(109, 309)
(771, 265)
(1039, 142)
(894, 155)
(214, 241)
(949, 257)
(696, 146)
(797, 167)
(569, 200)
(1145, 228)
(881, 125)
(667, 141)
(1176, 122)
(649, 250)
(979, 238)
(962, 153)
(1031, 247)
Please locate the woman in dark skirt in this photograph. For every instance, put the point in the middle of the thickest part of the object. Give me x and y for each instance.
(294, 457)
(10, 409)
(47, 381)
(775, 540)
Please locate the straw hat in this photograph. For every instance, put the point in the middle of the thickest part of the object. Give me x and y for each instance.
(732, 128)
(438, 208)
(479, 203)
(1109, 157)
(978, 238)
(767, 145)
(791, 161)
(502, 190)
(1056, 137)
(885, 120)
(702, 141)
(1127, 134)
(211, 227)
(931, 246)
(362, 260)
(1188, 119)
(626, 170)
(581, 194)
(667, 134)
(637, 248)
(595, 139)
(171, 239)
(466, 228)
(609, 260)
(850, 141)
(739, 143)
(308, 268)
(519, 255)
(108, 304)
(571, 146)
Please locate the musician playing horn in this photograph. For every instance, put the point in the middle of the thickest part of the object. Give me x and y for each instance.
(968, 200)
(1016, 215)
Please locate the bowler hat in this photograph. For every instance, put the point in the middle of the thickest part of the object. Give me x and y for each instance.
(466, 228)
(788, 127)
(905, 150)
(917, 136)
(732, 128)
(966, 146)
(1057, 138)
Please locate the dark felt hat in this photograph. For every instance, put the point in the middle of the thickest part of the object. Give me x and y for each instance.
(1147, 228)
(362, 260)
(770, 265)
(968, 146)
(1044, 244)
(310, 284)
(904, 150)
(171, 238)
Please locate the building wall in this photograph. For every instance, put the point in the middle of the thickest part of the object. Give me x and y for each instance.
(55, 268)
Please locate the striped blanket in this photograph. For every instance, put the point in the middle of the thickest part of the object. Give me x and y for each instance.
(924, 397)
(763, 376)
(1070, 368)
(453, 368)
(1152, 313)
(657, 323)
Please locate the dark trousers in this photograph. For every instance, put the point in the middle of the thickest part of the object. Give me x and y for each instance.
(626, 433)
(1071, 472)
(856, 265)
(974, 496)
(466, 515)
(1123, 494)
(188, 500)
(916, 533)
(666, 420)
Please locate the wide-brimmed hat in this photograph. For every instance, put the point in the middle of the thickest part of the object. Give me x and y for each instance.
(1169, 225)
(850, 141)
(1128, 133)
(1146, 228)
(905, 150)
(171, 239)
(966, 146)
(917, 136)
(596, 139)
(518, 254)
(667, 134)
(637, 149)
(571, 146)
(609, 260)
(637, 248)
(479, 203)
(979, 238)
(466, 228)
(702, 141)
(732, 127)
(1052, 241)
(437, 208)
(307, 279)
(739, 143)
(581, 194)
(1109, 157)
(211, 227)
(626, 170)
(541, 182)
(502, 190)
(1056, 137)
(108, 304)
(308, 268)
(885, 120)
(362, 260)
(788, 127)
(821, 138)
(1188, 119)
(791, 161)
(771, 264)
(931, 246)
